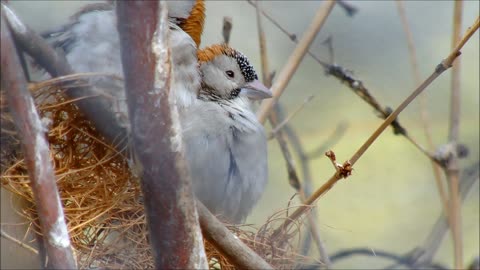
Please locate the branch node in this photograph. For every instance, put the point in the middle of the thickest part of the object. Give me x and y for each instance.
(343, 171)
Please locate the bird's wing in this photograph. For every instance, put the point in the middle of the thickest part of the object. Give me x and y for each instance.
(228, 167)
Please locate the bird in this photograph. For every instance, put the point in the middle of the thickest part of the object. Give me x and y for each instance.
(90, 43)
(225, 145)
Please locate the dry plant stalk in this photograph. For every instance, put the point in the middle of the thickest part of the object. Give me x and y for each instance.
(452, 169)
(280, 135)
(443, 66)
(423, 107)
(295, 59)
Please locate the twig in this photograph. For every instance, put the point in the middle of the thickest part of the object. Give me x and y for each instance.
(399, 259)
(289, 117)
(227, 29)
(281, 138)
(295, 58)
(227, 243)
(452, 169)
(336, 135)
(37, 156)
(165, 180)
(424, 254)
(292, 37)
(20, 243)
(423, 106)
(349, 8)
(444, 65)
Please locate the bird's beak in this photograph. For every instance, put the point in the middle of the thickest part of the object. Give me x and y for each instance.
(256, 90)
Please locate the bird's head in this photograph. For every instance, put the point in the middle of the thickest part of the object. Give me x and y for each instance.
(227, 73)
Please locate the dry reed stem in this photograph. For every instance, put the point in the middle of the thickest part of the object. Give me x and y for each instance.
(278, 127)
(423, 106)
(444, 65)
(453, 169)
(281, 138)
(19, 242)
(295, 58)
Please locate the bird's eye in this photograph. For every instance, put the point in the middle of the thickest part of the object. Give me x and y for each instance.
(230, 73)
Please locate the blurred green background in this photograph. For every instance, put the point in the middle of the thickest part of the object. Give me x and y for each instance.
(390, 202)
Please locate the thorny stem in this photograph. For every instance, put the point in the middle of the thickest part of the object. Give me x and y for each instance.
(423, 106)
(452, 170)
(295, 59)
(444, 65)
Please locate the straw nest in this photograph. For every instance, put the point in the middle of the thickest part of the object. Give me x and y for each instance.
(100, 195)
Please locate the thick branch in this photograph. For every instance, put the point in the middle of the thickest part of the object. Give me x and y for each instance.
(227, 243)
(37, 156)
(169, 201)
(95, 109)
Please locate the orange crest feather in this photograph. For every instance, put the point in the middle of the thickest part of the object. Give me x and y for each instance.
(193, 25)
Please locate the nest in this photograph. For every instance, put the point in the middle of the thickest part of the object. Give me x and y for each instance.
(100, 195)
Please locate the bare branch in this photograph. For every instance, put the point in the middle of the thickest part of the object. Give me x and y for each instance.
(281, 138)
(227, 243)
(20, 243)
(227, 29)
(165, 180)
(452, 169)
(37, 156)
(295, 58)
(423, 106)
(349, 8)
(424, 254)
(444, 65)
(285, 121)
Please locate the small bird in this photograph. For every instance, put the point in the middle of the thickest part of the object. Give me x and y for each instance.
(225, 146)
(90, 42)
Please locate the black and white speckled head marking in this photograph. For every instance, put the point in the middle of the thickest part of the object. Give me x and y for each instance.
(247, 69)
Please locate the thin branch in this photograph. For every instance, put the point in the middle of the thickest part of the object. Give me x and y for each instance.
(37, 156)
(295, 58)
(227, 243)
(424, 254)
(289, 117)
(350, 9)
(20, 243)
(423, 106)
(356, 85)
(399, 259)
(444, 65)
(227, 29)
(281, 138)
(336, 135)
(452, 169)
(292, 37)
(165, 180)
